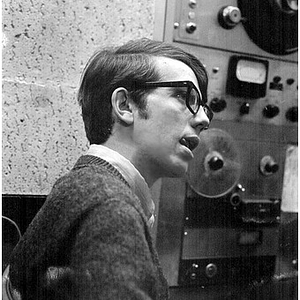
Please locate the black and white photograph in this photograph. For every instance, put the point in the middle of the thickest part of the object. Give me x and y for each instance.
(150, 150)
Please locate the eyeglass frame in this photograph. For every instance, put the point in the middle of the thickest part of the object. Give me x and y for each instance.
(185, 83)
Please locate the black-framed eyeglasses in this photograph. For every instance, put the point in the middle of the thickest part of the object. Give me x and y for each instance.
(192, 97)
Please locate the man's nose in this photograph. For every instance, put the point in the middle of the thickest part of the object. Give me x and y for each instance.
(200, 120)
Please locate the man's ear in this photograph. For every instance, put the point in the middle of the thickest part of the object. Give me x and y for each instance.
(121, 105)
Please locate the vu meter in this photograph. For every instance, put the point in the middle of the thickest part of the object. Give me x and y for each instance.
(251, 71)
(247, 77)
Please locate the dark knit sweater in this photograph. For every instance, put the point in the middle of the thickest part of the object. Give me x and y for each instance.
(90, 240)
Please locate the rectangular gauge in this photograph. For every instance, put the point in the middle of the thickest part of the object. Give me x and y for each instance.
(247, 77)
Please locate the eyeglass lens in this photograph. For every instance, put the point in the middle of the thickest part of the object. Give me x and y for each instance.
(194, 102)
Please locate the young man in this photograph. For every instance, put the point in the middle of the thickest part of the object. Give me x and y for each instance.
(143, 106)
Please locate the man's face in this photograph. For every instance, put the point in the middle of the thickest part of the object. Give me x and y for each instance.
(165, 140)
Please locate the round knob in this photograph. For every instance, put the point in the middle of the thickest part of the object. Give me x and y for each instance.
(215, 163)
(229, 16)
(268, 166)
(270, 111)
(292, 114)
(211, 270)
(235, 199)
(245, 108)
(217, 104)
(191, 27)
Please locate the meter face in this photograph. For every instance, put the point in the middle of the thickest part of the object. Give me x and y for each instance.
(251, 71)
(247, 77)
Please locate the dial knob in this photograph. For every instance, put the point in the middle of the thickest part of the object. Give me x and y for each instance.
(217, 104)
(215, 163)
(211, 270)
(270, 111)
(191, 27)
(292, 114)
(268, 165)
(229, 16)
(235, 199)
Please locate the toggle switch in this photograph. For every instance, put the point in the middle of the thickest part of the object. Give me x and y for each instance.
(245, 108)
(193, 272)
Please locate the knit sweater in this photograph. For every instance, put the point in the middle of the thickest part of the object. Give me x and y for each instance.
(90, 240)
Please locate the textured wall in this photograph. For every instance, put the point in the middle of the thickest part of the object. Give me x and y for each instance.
(45, 47)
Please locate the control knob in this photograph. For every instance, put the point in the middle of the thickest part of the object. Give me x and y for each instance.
(270, 111)
(292, 114)
(191, 27)
(211, 270)
(268, 166)
(215, 163)
(235, 199)
(229, 16)
(217, 104)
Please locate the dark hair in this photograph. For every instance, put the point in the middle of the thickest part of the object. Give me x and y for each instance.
(124, 66)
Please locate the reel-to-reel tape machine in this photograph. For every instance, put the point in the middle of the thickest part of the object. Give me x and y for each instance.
(220, 224)
(226, 232)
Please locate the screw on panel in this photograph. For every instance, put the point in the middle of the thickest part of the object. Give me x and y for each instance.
(192, 3)
(176, 25)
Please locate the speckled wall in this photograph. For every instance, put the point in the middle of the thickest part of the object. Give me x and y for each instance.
(45, 47)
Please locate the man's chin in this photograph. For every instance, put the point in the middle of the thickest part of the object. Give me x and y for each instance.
(178, 171)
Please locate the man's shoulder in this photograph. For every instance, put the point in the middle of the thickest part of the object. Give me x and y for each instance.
(90, 178)
(90, 184)
(91, 170)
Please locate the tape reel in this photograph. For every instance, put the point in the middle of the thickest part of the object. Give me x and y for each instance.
(216, 168)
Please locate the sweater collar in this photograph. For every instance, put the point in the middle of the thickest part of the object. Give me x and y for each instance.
(135, 180)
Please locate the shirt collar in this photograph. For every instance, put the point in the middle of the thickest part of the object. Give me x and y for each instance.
(135, 180)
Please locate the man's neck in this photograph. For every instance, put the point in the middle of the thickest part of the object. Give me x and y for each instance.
(128, 151)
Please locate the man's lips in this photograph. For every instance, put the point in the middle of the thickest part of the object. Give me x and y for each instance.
(191, 142)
